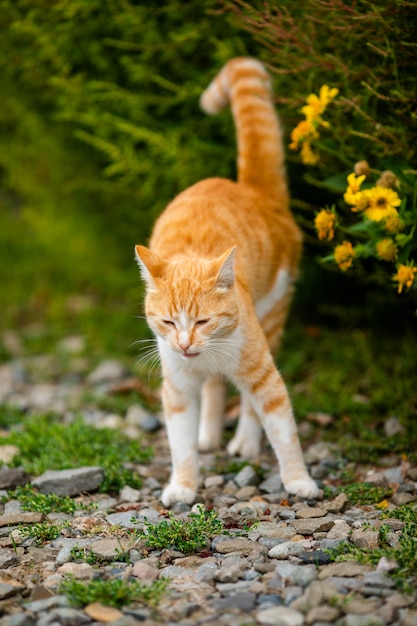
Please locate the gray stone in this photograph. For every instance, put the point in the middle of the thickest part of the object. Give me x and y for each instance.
(20, 518)
(280, 616)
(394, 475)
(272, 529)
(107, 371)
(11, 588)
(205, 573)
(294, 574)
(228, 574)
(324, 613)
(110, 549)
(37, 606)
(246, 476)
(337, 505)
(138, 416)
(341, 530)
(70, 482)
(273, 484)
(239, 544)
(314, 525)
(8, 558)
(309, 512)
(13, 477)
(19, 619)
(123, 519)
(66, 545)
(344, 569)
(363, 620)
(365, 539)
(285, 550)
(241, 601)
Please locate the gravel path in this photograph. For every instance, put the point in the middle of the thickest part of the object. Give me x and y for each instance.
(270, 565)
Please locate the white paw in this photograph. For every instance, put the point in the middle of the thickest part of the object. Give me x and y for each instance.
(206, 443)
(303, 487)
(177, 493)
(239, 446)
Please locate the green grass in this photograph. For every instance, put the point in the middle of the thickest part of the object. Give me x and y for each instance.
(45, 444)
(114, 592)
(186, 536)
(32, 500)
(42, 532)
(365, 493)
(405, 554)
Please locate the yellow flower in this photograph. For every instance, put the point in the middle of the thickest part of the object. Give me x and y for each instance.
(393, 223)
(386, 250)
(404, 276)
(324, 223)
(343, 255)
(360, 201)
(382, 203)
(316, 105)
(353, 188)
(304, 131)
(308, 157)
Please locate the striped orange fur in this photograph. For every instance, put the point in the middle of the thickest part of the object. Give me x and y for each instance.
(219, 271)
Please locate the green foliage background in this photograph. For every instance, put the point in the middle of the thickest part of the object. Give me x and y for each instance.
(100, 127)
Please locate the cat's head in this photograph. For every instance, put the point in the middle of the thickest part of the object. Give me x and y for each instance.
(190, 303)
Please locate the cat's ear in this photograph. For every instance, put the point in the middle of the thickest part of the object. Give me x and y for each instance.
(150, 264)
(226, 275)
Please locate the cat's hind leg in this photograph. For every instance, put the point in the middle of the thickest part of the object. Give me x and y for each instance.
(213, 396)
(247, 439)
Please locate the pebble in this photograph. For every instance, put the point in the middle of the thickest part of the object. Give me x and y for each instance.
(246, 476)
(270, 566)
(69, 482)
(280, 616)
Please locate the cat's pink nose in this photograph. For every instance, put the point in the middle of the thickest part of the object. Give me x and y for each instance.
(184, 345)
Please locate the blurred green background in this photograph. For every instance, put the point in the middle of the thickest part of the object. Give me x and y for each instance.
(100, 127)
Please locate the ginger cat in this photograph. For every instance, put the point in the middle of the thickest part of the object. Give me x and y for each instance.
(219, 271)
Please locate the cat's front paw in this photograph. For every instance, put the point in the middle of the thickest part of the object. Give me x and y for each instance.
(303, 487)
(177, 493)
(239, 446)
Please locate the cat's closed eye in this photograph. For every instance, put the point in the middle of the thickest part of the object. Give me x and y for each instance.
(168, 322)
(201, 322)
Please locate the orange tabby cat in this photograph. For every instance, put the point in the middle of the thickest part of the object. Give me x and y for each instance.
(219, 271)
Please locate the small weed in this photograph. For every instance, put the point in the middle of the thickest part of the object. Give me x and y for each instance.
(9, 416)
(366, 493)
(115, 592)
(187, 536)
(84, 555)
(87, 556)
(43, 531)
(32, 500)
(46, 444)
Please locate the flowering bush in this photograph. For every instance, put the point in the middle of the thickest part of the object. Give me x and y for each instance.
(363, 54)
(372, 219)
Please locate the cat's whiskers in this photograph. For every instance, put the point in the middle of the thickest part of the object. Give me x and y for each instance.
(151, 356)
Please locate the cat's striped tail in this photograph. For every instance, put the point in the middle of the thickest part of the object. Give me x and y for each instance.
(245, 83)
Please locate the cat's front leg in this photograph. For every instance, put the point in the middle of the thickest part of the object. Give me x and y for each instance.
(181, 418)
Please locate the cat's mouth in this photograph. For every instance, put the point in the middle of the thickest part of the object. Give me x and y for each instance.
(189, 355)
